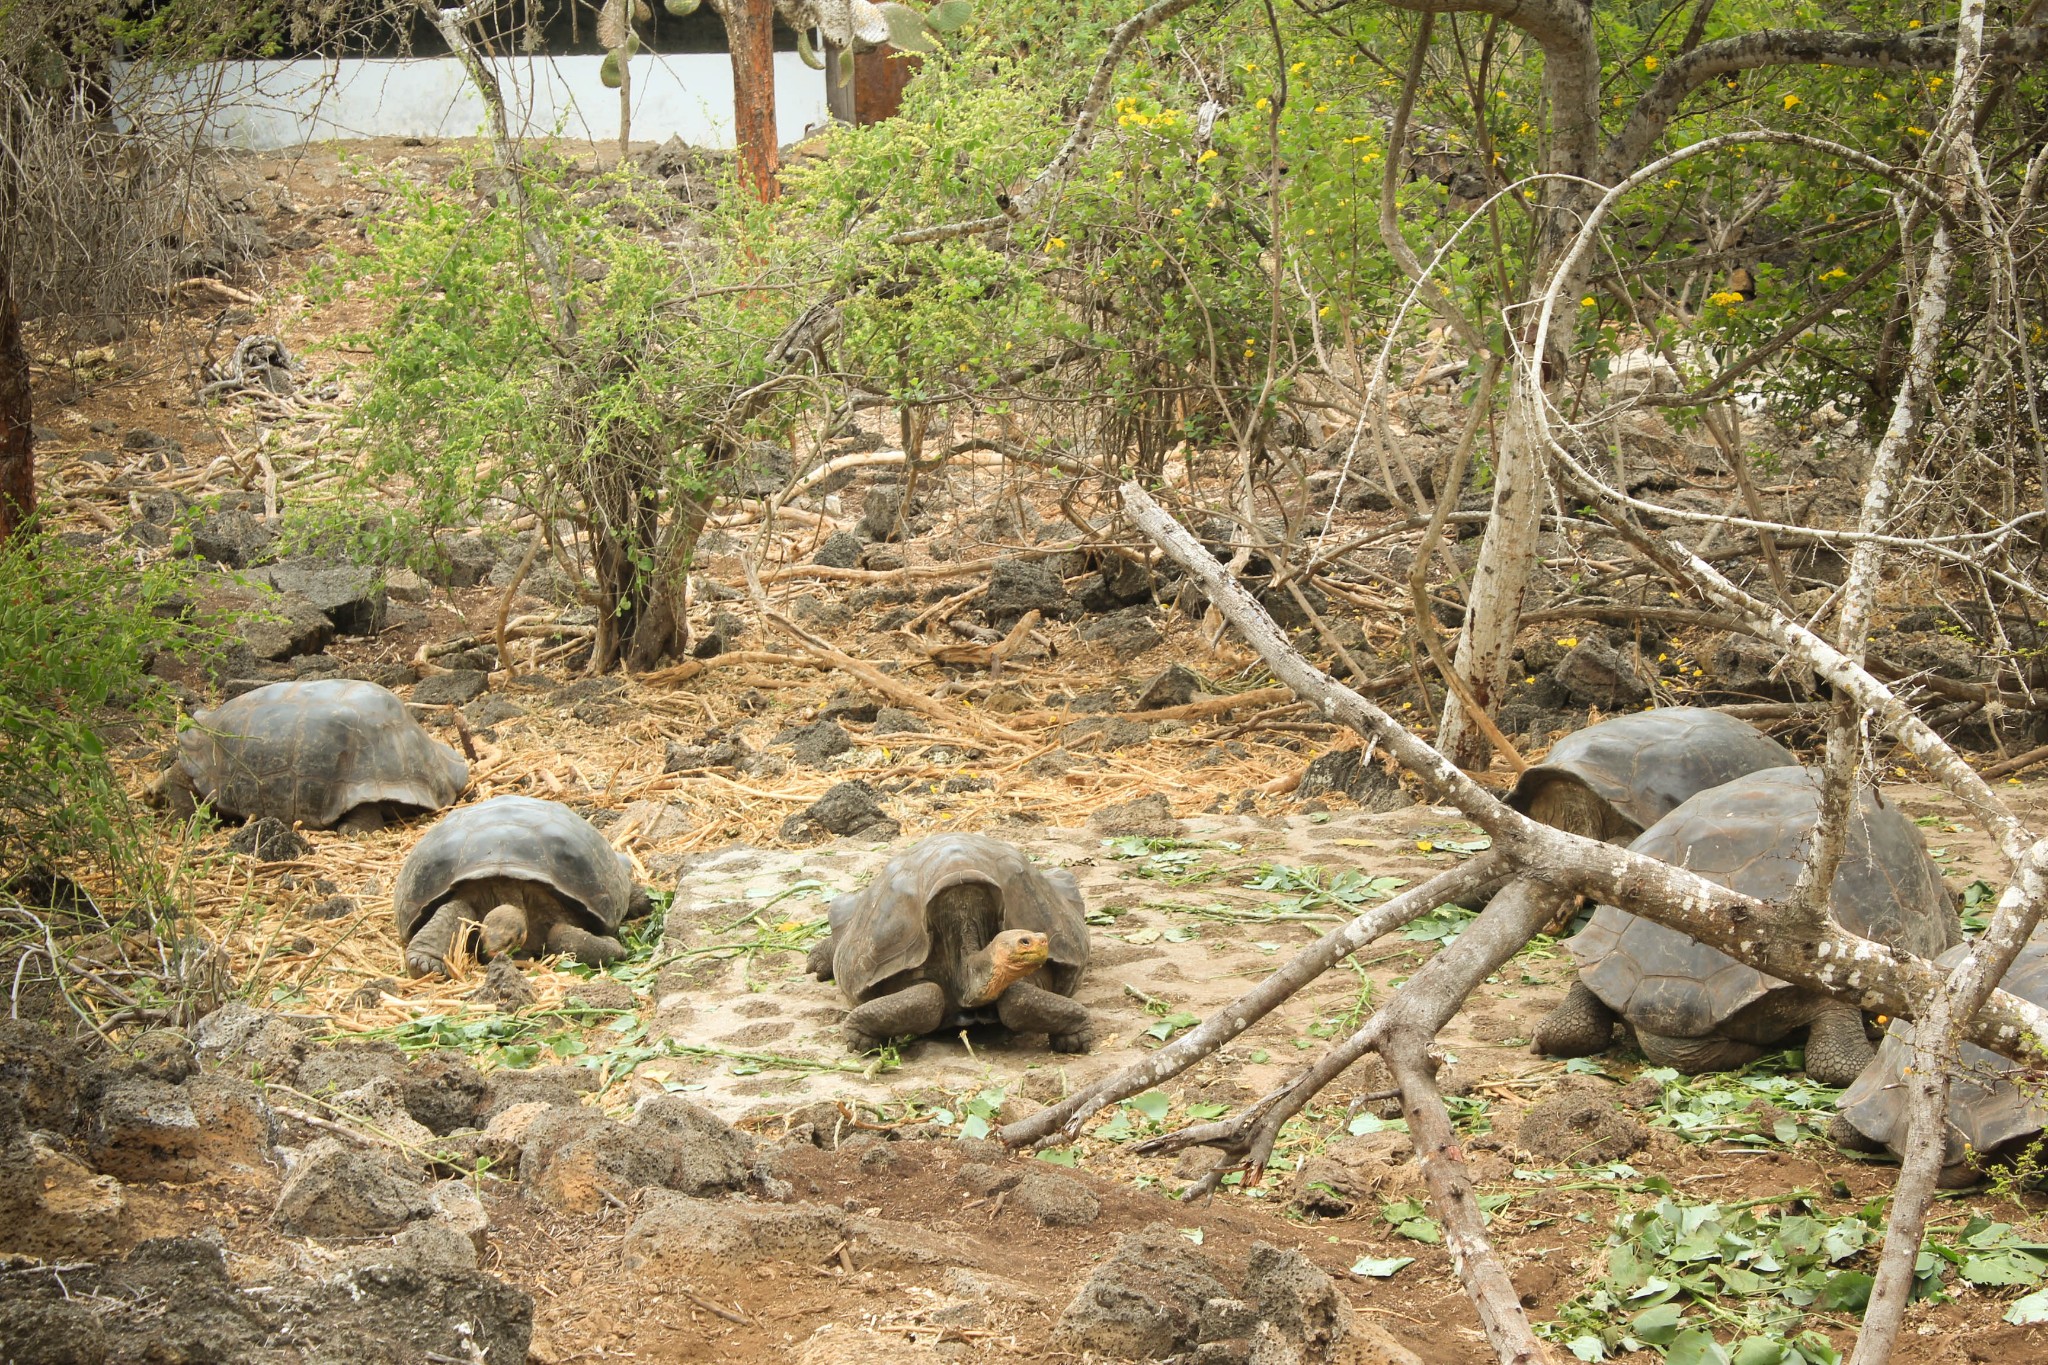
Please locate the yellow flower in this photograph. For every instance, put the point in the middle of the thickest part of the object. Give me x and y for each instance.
(1526, 126)
(1568, 641)
(1588, 302)
(1297, 68)
(1727, 298)
(1311, 232)
(1793, 102)
(1251, 66)
(1916, 132)
(1912, 23)
(1935, 83)
(1207, 156)
(1322, 109)
(1058, 244)
(1671, 184)
(1262, 103)
(1836, 274)
(1649, 63)
(1177, 212)
(1323, 311)
(1158, 261)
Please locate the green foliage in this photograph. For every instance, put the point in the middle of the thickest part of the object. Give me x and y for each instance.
(76, 634)
(1768, 1102)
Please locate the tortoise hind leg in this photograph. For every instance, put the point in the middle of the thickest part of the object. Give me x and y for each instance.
(592, 950)
(1025, 1008)
(1837, 1049)
(1850, 1138)
(913, 1011)
(427, 951)
(1579, 1027)
(818, 962)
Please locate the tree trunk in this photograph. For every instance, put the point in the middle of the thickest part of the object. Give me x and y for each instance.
(750, 36)
(1500, 581)
(17, 431)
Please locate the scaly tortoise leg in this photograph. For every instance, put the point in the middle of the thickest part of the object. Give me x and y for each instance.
(364, 819)
(1693, 1056)
(818, 962)
(1837, 1049)
(1579, 1027)
(592, 950)
(428, 950)
(1025, 1008)
(911, 1012)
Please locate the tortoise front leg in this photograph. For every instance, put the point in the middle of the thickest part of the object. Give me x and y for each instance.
(913, 1011)
(592, 950)
(1025, 1008)
(1579, 1027)
(428, 951)
(818, 962)
(364, 819)
(1837, 1049)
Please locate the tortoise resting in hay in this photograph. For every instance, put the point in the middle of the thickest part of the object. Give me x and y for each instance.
(1988, 1115)
(959, 929)
(534, 877)
(1614, 780)
(331, 754)
(1696, 1009)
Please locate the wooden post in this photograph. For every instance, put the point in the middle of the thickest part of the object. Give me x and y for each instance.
(17, 430)
(750, 37)
(876, 90)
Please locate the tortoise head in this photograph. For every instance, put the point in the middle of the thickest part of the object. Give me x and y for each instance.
(1013, 955)
(504, 931)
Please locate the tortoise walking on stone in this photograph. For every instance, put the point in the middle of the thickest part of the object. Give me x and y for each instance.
(959, 929)
(1988, 1115)
(1694, 1008)
(335, 753)
(1614, 780)
(533, 876)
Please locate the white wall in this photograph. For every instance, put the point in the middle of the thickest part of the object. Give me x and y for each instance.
(268, 105)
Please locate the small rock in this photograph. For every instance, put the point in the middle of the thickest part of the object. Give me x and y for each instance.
(1145, 1301)
(349, 1066)
(1017, 586)
(1127, 633)
(1579, 1124)
(430, 1245)
(1295, 1297)
(983, 1179)
(841, 550)
(1150, 815)
(212, 1125)
(463, 562)
(492, 709)
(603, 993)
(1058, 1201)
(1121, 583)
(234, 538)
(285, 626)
(1599, 675)
(892, 720)
(457, 1207)
(1175, 686)
(881, 559)
(453, 688)
(881, 514)
(508, 985)
(345, 1191)
(444, 1092)
(815, 744)
(334, 907)
(251, 1041)
(1345, 770)
(352, 597)
(269, 840)
(403, 585)
(853, 706)
(724, 753)
(371, 993)
(847, 808)
(573, 1158)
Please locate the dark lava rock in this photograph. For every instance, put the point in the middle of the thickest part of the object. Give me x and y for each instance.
(235, 538)
(1597, 674)
(269, 840)
(443, 1092)
(848, 808)
(1175, 686)
(723, 753)
(462, 562)
(1345, 770)
(573, 1158)
(347, 1191)
(334, 907)
(492, 709)
(353, 597)
(1150, 815)
(1058, 1201)
(284, 627)
(1145, 1301)
(841, 550)
(1120, 583)
(454, 688)
(1127, 633)
(855, 706)
(349, 1066)
(1580, 1124)
(893, 720)
(212, 1125)
(505, 983)
(881, 514)
(1017, 586)
(814, 744)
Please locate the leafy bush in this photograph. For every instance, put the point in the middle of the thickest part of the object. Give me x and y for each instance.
(76, 634)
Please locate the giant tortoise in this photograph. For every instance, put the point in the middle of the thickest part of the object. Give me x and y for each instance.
(1614, 780)
(959, 929)
(535, 877)
(1693, 1007)
(1987, 1114)
(330, 753)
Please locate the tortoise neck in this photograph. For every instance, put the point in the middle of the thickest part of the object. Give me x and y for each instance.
(986, 975)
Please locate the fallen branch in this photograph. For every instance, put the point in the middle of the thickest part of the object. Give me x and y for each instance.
(677, 674)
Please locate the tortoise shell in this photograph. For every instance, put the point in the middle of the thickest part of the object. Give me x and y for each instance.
(882, 930)
(1648, 763)
(311, 752)
(515, 836)
(1985, 1110)
(1750, 835)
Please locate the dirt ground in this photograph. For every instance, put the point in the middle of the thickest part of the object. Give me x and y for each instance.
(712, 1004)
